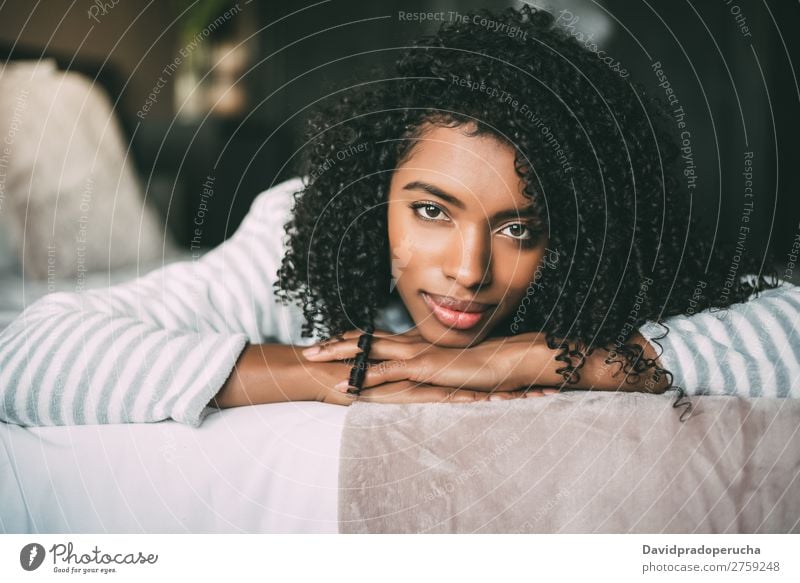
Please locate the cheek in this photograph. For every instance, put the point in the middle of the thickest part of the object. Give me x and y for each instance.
(517, 269)
(404, 246)
(403, 253)
(516, 272)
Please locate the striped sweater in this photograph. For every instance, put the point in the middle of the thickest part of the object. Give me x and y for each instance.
(161, 346)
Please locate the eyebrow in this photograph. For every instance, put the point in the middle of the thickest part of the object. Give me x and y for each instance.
(524, 212)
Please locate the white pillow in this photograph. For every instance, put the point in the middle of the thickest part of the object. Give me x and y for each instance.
(71, 202)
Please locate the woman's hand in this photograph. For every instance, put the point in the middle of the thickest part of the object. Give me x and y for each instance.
(485, 367)
(496, 364)
(403, 392)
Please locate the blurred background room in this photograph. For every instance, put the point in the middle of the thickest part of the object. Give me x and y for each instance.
(137, 133)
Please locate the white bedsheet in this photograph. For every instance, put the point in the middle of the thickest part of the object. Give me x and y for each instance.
(265, 468)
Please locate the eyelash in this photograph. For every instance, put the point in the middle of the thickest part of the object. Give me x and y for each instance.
(526, 242)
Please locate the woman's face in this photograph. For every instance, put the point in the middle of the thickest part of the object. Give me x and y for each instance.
(464, 248)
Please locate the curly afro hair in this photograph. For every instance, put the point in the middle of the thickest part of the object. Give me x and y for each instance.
(599, 160)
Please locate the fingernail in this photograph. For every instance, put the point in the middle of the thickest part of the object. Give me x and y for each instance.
(495, 398)
(342, 386)
(314, 350)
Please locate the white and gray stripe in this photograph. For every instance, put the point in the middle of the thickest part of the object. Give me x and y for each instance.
(751, 349)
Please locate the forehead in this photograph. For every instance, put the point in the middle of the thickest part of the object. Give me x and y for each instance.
(476, 169)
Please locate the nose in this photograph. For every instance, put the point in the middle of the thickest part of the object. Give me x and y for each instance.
(468, 259)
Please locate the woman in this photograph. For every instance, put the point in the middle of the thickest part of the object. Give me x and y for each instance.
(506, 212)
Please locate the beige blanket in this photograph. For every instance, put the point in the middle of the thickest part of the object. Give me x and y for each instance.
(578, 462)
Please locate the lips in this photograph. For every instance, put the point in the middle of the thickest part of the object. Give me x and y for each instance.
(458, 305)
(453, 313)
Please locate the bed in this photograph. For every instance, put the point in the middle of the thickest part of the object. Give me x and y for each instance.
(580, 462)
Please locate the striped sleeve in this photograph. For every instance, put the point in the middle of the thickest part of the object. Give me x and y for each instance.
(750, 349)
(158, 347)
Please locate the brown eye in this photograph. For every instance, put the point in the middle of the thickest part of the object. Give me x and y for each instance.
(520, 232)
(427, 211)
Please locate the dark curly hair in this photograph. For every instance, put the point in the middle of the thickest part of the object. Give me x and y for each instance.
(599, 159)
